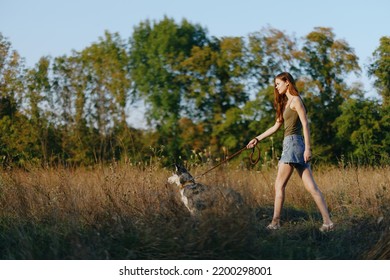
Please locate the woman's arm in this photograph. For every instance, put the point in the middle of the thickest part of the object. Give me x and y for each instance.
(298, 106)
(265, 134)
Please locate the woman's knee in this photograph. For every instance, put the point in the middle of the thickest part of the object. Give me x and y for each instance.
(280, 188)
(314, 190)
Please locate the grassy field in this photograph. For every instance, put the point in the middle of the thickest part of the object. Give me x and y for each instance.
(129, 212)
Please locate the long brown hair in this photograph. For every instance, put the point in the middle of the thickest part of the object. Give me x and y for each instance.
(280, 100)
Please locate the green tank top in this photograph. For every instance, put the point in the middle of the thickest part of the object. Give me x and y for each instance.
(292, 123)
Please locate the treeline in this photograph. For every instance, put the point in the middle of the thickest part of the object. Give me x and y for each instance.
(204, 97)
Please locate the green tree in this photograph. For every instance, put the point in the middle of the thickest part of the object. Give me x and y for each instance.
(361, 132)
(38, 89)
(380, 69)
(215, 78)
(156, 53)
(69, 101)
(106, 64)
(326, 63)
(13, 125)
(92, 89)
(11, 79)
(271, 52)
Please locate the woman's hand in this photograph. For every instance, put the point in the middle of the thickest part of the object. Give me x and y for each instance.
(252, 143)
(307, 155)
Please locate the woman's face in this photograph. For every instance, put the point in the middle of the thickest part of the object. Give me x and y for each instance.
(281, 86)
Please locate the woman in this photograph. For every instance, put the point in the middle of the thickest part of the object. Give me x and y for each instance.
(291, 111)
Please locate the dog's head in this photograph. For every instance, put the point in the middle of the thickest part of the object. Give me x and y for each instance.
(181, 177)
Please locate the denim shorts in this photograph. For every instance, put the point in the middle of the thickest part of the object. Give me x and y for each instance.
(293, 149)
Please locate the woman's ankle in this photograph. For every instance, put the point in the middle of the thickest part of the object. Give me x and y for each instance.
(327, 222)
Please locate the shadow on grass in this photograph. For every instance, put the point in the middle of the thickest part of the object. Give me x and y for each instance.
(239, 235)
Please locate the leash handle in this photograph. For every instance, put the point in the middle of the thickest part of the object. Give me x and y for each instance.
(256, 160)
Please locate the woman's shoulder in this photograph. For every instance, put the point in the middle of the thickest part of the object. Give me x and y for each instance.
(296, 103)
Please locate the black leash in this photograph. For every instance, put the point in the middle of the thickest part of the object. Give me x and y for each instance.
(252, 161)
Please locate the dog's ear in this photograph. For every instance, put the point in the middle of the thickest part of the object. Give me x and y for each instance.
(180, 169)
(177, 168)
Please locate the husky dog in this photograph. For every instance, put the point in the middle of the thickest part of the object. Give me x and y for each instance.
(198, 197)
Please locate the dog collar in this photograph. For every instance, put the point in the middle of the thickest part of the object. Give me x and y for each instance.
(188, 184)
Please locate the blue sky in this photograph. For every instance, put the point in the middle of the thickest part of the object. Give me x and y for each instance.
(53, 27)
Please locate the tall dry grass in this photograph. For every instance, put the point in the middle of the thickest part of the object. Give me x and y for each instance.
(129, 212)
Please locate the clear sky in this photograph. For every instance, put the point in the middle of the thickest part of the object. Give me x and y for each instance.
(55, 27)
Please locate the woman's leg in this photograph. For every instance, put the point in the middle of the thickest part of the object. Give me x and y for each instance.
(311, 186)
(284, 174)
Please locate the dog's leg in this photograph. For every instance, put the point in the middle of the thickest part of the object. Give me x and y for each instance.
(185, 201)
